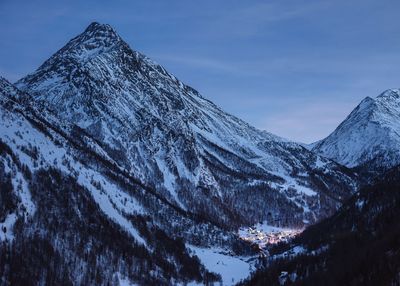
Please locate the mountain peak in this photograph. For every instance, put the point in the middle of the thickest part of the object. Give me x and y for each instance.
(70, 63)
(390, 94)
(369, 137)
(98, 30)
(97, 35)
(98, 26)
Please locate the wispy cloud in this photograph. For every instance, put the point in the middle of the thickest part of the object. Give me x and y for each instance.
(199, 63)
(359, 68)
(253, 17)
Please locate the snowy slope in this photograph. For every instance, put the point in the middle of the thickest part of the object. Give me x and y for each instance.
(369, 137)
(64, 200)
(169, 137)
(231, 268)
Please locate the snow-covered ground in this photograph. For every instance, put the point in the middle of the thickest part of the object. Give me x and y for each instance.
(123, 281)
(297, 250)
(6, 227)
(231, 268)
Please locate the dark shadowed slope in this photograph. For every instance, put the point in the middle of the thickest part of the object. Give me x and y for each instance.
(359, 245)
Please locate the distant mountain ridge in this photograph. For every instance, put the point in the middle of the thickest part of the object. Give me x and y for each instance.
(369, 138)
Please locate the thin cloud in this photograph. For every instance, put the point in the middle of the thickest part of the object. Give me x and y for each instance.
(308, 122)
(251, 19)
(264, 67)
(198, 62)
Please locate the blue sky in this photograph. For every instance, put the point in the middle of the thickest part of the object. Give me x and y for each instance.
(294, 68)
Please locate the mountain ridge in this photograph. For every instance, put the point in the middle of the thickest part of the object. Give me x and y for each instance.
(368, 138)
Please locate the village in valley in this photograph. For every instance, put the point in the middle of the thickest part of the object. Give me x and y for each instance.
(263, 235)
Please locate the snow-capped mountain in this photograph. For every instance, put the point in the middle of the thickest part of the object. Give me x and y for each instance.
(369, 138)
(169, 137)
(117, 172)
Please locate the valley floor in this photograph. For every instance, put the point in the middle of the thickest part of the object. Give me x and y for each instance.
(231, 268)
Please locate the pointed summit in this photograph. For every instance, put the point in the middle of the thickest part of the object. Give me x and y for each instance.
(369, 137)
(96, 26)
(96, 38)
(393, 92)
(390, 97)
(87, 61)
(101, 34)
(98, 66)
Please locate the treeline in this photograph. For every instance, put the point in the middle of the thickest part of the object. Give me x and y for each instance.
(70, 241)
